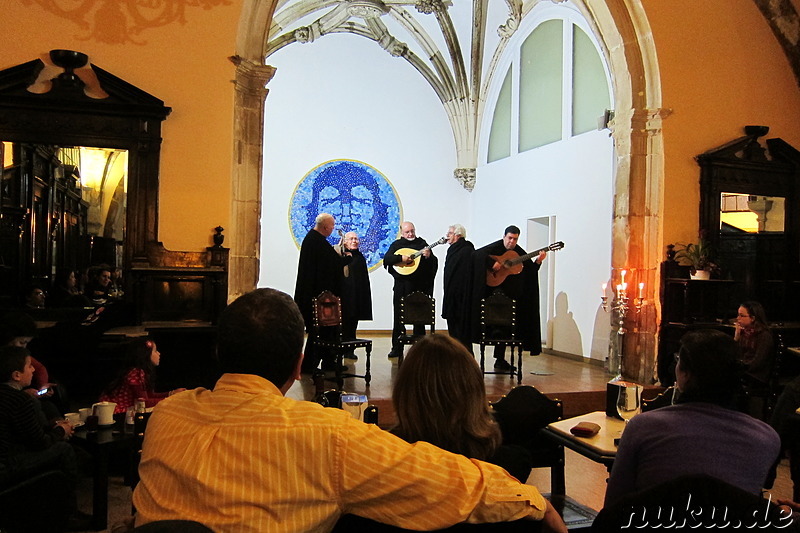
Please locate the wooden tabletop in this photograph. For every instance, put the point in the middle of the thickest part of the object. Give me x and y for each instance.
(600, 447)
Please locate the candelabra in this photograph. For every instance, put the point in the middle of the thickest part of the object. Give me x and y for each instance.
(620, 305)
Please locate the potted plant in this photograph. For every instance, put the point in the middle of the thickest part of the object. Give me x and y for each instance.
(698, 256)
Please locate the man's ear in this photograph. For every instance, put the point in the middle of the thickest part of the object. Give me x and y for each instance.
(16, 375)
(295, 376)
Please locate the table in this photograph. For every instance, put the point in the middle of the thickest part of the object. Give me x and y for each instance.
(99, 444)
(599, 448)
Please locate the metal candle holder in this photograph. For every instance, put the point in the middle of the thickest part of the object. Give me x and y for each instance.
(620, 306)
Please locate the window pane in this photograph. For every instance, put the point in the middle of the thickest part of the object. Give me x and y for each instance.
(541, 75)
(500, 135)
(590, 96)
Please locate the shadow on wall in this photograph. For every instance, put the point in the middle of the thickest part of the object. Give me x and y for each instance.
(563, 330)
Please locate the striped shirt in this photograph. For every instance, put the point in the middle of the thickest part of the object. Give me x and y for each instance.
(244, 458)
(23, 427)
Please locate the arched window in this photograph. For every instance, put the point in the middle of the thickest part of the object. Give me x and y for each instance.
(556, 85)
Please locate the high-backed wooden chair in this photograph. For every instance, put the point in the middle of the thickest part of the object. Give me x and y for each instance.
(522, 414)
(768, 392)
(417, 310)
(498, 327)
(326, 334)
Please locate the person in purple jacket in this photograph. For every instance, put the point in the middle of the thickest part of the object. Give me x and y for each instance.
(701, 433)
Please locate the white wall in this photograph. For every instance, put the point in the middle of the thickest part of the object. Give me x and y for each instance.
(570, 181)
(344, 97)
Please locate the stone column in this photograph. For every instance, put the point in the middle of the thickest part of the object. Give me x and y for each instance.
(248, 137)
(635, 234)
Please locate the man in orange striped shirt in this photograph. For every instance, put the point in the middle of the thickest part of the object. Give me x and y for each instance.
(245, 458)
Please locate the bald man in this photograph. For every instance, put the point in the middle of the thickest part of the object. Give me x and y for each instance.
(420, 280)
(318, 269)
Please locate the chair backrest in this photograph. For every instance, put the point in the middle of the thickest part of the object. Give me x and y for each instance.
(662, 399)
(498, 309)
(523, 412)
(695, 501)
(327, 310)
(418, 308)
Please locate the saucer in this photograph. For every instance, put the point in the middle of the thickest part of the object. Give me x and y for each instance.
(77, 425)
(106, 425)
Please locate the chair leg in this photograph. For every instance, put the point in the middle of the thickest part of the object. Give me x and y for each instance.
(367, 375)
(519, 365)
(483, 358)
(558, 484)
(339, 363)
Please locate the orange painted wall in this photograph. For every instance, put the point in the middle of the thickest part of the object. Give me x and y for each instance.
(186, 66)
(721, 69)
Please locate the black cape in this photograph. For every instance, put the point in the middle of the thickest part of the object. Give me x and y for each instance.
(456, 303)
(318, 269)
(356, 291)
(422, 278)
(522, 287)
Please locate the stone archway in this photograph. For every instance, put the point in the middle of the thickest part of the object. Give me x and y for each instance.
(624, 31)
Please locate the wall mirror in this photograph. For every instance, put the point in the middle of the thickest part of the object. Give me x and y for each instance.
(751, 213)
(61, 116)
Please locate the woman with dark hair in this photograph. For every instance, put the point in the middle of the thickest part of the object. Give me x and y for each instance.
(755, 341)
(65, 292)
(137, 379)
(439, 397)
(702, 433)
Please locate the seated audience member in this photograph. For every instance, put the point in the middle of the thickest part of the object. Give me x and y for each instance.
(34, 298)
(99, 284)
(701, 433)
(18, 329)
(65, 292)
(137, 378)
(439, 397)
(29, 444)
(244, 457)
(755, 341)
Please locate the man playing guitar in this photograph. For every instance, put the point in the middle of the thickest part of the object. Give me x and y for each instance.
(522, 287)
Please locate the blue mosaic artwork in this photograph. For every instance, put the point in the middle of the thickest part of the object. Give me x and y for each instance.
(358, 196)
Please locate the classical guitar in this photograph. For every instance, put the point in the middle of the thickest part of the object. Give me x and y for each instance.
(511, 263)
(415, 256)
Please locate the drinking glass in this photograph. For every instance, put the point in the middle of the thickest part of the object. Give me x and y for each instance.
(629, 401)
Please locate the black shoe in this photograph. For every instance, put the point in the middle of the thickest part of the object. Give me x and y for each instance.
(352, 356)
(502, 364)
(394, 354)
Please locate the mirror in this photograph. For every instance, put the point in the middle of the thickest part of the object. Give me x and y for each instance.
(751, 213)
(48, 201)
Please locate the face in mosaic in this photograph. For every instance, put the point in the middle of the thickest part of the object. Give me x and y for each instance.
(358, 196)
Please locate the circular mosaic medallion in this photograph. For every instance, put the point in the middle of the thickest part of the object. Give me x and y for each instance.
(358, 196)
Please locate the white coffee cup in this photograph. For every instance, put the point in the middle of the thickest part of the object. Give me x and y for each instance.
(85, 412)
(104, 412)
(73, 418)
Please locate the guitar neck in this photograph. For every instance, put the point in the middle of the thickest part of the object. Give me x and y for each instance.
(420, 252)
(529, 255)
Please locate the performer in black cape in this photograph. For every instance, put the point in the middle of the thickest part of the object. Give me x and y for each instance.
(522, 287)
(356, 291)
(456, 303)
(420, 280)
(318, 269)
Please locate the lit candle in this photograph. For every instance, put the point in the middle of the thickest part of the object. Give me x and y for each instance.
(624, 287)
(604, 288)
(623, 278)
(619, 291)
(641, 290)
